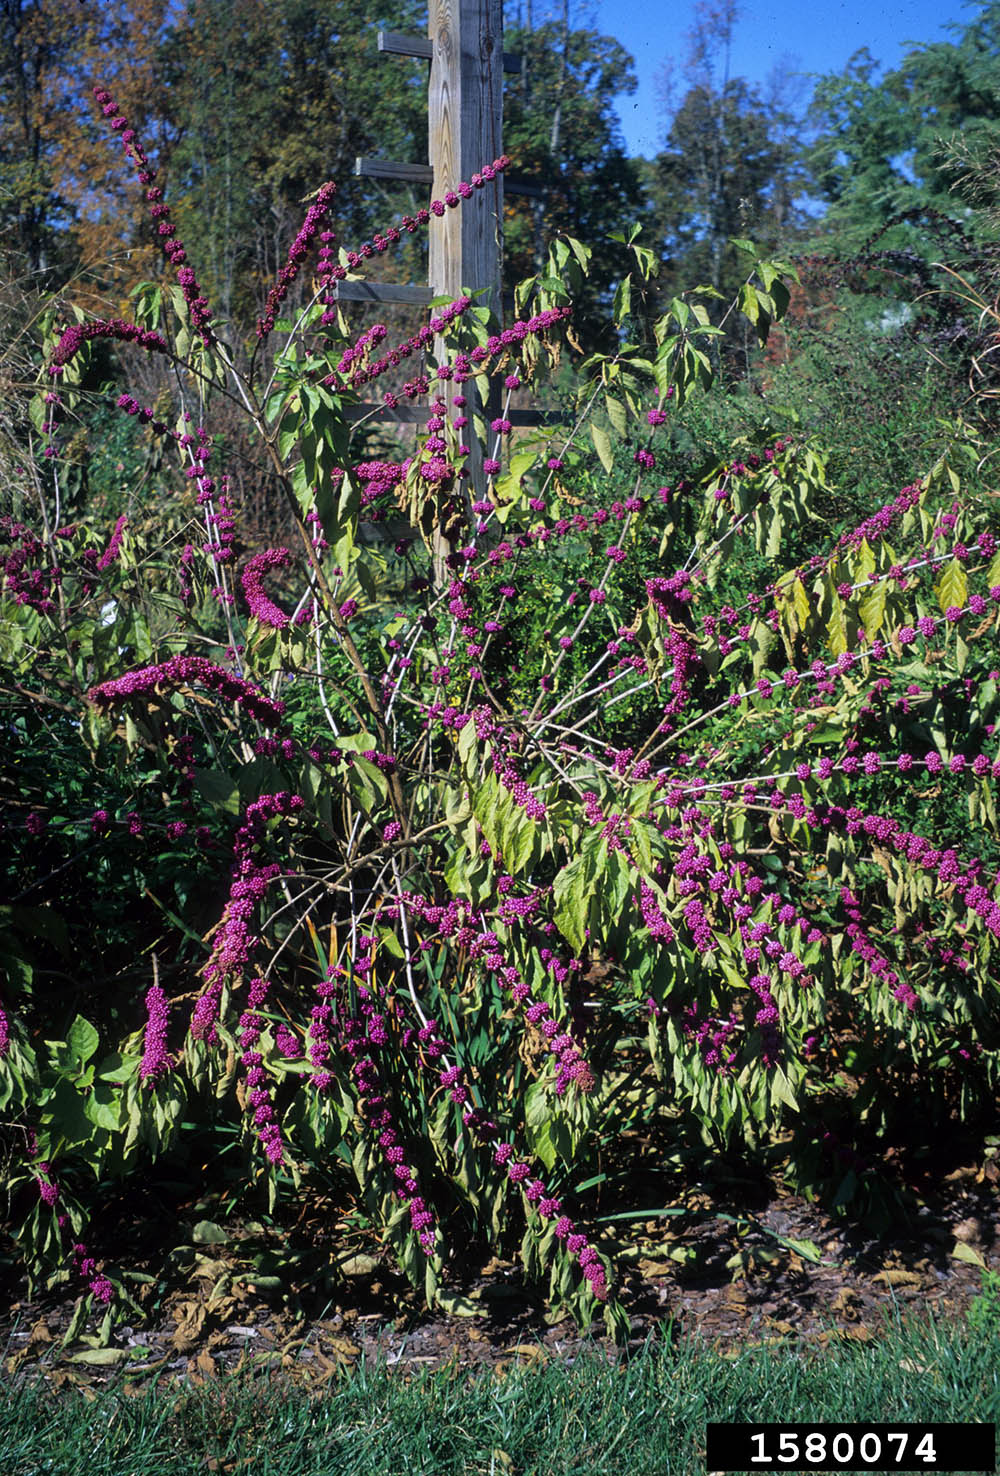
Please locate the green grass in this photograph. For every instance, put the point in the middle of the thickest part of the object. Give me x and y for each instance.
(645, 1416)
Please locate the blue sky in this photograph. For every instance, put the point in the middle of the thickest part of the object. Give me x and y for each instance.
(795, 35)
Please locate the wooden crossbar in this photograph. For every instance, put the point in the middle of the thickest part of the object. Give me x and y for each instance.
(383, 292)
(397, 44)
(371, 167)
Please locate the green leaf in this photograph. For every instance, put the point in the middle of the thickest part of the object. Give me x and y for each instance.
(641, 847)
(207, 1232)
(780, 297)
(580, 251)
(103, 1107)
(541, 1142)
(64, 1113)
(521, 462)
(807, 1249)
(430, 1271)
(38, 922)
(82, 1040)
(366, 579)
(356, 742)
(757, 307)
(456, 875)
(846, 1189)
(467, 741)
(646, 1214)
(773, 545)
(616, 885)
(219, 789)
(572, 892)
(178, 302)
(457, 807)
(376, 779)
(492, 807)
(518, 841)
(343, 550)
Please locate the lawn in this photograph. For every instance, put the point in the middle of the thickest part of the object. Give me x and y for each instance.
(590, 1415)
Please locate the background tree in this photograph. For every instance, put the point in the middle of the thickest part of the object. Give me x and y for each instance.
(898, 161)
(271, 97)
(729, 166)
(27, 199)
(562, 131)
(268, 98)
(882, 143)
(49, 55)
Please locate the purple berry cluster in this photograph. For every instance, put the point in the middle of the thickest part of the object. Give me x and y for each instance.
(159, 213)
(297, 253)
(77, 334)
(259, 603)
(185, 671)
(26, 574)
(155, 1058)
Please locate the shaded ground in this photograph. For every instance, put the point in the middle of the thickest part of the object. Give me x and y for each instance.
(727, 1270)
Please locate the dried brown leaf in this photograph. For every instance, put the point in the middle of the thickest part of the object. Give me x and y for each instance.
(190, 1321)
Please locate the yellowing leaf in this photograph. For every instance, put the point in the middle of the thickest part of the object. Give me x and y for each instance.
(781, 1090)
(457, 1305)
(862, 563)
(602, 445)
(872, 609)
(520, 463)
(953, 586)
(751, 301)
(102, 1357)
(962, 1252)
(617, 414)
(836, 628)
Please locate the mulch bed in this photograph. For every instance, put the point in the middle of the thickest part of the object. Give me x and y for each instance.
(720, 1275)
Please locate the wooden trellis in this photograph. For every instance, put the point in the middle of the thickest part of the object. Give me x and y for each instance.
(464, 46)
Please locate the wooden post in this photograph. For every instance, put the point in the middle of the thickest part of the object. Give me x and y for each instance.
(465, 114)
